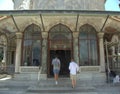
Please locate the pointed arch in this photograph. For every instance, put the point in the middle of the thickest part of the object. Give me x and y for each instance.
(32, 49)
(32, 30)
(3, 40)
(88, 51)
(87, 30)
(60, 30)
(60, 44)
(61, 33)
(3, 44)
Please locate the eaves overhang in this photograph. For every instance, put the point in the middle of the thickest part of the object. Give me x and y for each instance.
(15, 15)
(57, 12)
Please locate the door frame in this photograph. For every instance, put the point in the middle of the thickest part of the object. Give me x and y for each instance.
(60, 37)
(49, 59)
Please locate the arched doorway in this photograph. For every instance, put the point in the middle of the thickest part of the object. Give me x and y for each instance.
(60, 44)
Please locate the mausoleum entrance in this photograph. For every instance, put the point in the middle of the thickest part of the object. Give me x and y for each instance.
(64, 56)
(60, 44)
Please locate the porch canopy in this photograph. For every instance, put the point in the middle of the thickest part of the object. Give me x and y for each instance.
(57, 12)
(17, 20)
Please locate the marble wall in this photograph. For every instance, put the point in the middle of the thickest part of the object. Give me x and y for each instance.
(60, 4)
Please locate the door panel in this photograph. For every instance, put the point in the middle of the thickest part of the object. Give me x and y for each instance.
(64, 56)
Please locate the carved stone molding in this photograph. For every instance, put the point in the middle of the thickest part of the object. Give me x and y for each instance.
(44, 35)
(75, 34)
(100, 35)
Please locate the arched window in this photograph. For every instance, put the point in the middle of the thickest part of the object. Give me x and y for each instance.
(3, 45)
(88, 53)
(32, 46)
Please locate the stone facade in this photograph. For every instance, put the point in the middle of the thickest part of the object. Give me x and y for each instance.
(66, 23)
(60, 4)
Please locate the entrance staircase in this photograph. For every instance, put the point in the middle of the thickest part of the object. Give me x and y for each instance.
(64, 87)
(87, 81)
(86, 84)
(48, 86)
(87, 74)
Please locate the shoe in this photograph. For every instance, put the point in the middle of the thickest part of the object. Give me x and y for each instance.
(73, 87)
(56, 82)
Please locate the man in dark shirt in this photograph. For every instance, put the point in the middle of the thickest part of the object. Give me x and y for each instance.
(56, 69)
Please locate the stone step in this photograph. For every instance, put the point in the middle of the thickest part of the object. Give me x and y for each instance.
(67, 82)
(74, 91)
(62, 89)
(45, 87)
(26, 76)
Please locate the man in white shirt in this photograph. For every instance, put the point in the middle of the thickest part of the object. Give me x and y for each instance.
(74, 68)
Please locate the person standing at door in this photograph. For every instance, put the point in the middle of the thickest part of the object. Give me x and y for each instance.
(56, 68)
(74, 68)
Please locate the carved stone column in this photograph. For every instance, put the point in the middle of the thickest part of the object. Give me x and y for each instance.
(44, 52)
(18, 51)
(75, 47)
(101, 50)
(4, 53)
(4, 61)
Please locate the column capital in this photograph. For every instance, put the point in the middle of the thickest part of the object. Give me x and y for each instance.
(100, 35)
(44, 34)
(19, 35)
(75, 34)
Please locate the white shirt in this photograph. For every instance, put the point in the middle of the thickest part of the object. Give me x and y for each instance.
(73, 67)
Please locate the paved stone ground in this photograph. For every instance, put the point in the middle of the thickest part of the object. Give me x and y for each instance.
(48, 86)
(3, 76)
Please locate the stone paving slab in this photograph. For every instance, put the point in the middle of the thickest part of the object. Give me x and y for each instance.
(64, 93)
(57, 87)
(12, 92)
(3, 76)
(48, 87)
